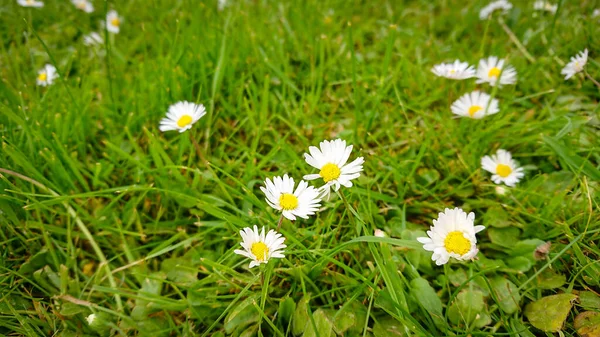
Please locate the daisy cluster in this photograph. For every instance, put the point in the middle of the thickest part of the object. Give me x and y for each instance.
(281, 192)
(453, 233)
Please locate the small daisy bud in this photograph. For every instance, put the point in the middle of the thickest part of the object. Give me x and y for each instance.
(99, 322)
(379, 233)
(501, 190)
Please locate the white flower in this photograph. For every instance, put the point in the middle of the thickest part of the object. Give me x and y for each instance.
(494, 6)
(576, 65)
(181, 116)
(93, 39)
(30, 3)
(113, 22)
(452, 235)
(596, 13)
(542, 5)
(504, 169)
(331, 160)
(46, 75)
(475, 105)
(91, 318)
(221, 4)
(493, 71)
(84, 5)
(282, 197)
(260, 248)
(501, 190)
(456, 71)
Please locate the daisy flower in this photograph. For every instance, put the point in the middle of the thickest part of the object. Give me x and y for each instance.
(260, 247)
(493, 6)
(475, 105)
(331, 160)
(30, 3)
(456, 71)
(181, 116)
(503, 168)
(84, 5)
(113, 21)
(576, 65)
(452, 235)
(493, 71)
(46, 75)
(93, 39)
(596, 13)
(282, 197)
(541, 5)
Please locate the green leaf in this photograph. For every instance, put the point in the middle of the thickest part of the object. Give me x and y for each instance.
(286, 310)
(465, 308)
(497, 217)
(426, 296)
(180, 271)
(506, 293)
(343, 320)
(548, 279)
(549, 313)
(520, 264)
(589, 300)
(505, 237)
(388, 327)
(241, 315)
(300, 318)
(35, 262)
(71, 309)
(324, 327)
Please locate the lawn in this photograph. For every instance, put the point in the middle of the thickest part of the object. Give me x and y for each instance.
(111, 227)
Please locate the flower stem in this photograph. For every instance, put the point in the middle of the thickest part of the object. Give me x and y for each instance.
(279, 222)
(198, 149)
(591, 78)
(516, 41)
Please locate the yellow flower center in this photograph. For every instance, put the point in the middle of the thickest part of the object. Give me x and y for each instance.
(494, 72)
(184, 121)
(330, 172)
(503, 170)
(452, 71)
(29, 2)
(260, 251)
(80, 5)
(473, 110)
(455, 242)
(42, 76)
(288, 201)
(115, 22)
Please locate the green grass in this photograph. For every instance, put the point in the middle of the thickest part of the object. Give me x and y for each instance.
(102, 213)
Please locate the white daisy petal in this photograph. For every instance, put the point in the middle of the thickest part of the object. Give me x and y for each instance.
(260, 247)
(455, 71)
(30, 3)
(575, 65)
(494, 72)
(181, 116)
(493, 6)
(84, 5)
(280, 195)
(46, 75)
(504, 169)
(475, 105)
(331, 159)
(113, 22)
(452, 235)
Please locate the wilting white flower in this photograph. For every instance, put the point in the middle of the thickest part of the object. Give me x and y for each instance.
(260, 247)
(493, 6)
(452, 235)
(93, 39)
(493, 71)
(475, 105)
(84, 5)
(181, 116)
(503, 168)
(456, 71)
(575, 65)
(282, 197)
(542, 5)
(30, 3)
(46, 75)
